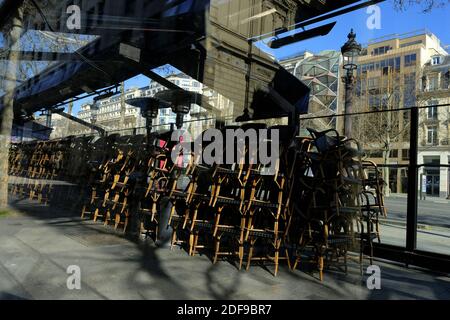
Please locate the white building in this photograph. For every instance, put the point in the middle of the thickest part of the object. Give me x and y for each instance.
(434, 126)
(321, 73)
(107, 112)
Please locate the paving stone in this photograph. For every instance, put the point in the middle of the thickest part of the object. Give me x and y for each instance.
(37, 249)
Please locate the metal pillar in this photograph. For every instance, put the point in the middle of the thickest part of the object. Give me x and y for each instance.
(413, 170)
(349, 81)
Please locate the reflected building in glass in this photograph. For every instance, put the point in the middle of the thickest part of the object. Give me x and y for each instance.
(434, 127)
(321, 73)
(389, 77)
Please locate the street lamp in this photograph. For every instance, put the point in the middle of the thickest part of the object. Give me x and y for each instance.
(94, 109)
(149, 107)
(350, 50)
(180, 101)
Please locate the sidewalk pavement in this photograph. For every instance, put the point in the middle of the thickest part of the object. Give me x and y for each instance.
(38, 244)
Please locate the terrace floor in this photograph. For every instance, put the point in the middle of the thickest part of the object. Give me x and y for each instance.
(38, 244)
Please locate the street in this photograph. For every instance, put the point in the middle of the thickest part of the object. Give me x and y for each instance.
(432, 211)
(433, 232)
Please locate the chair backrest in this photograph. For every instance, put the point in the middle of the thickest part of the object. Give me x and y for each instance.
(324, 140)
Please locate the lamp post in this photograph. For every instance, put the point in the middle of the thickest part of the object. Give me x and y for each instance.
(350, 50)
(94, 109)
(149, 107)
(180, 101)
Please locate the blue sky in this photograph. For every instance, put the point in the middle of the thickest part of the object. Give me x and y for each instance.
(392, 21)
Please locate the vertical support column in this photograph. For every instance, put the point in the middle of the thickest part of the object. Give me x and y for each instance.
(411, 220)
(48, 118)
(348, 107)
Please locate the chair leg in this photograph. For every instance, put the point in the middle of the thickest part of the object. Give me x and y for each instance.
(250, 254)
(96, 215)
(216, 248)
(116, 221)
(321, 264)
(286, 252)
(191, 243)
(241, 254)
(195, 243)
(194, 218)
(174, 238)
(277, 256)
(172, 212)
(297, 260)
(125, 224)
(107, 217)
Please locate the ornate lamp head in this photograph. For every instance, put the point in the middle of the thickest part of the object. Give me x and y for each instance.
(350, 50)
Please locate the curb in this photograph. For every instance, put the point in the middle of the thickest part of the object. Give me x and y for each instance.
(420, 226)
(430, 199)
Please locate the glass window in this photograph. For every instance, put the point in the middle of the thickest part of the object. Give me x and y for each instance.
(405, 154)
(432, 113)
(433, 83)
(436, 60)
(394, 154)
(409, 93)
(432, 135)
(397, 63)
(410, 60)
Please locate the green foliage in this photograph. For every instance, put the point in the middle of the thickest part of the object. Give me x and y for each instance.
(3, 213)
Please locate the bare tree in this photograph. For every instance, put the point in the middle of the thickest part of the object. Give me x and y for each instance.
(122, 106)
(7, 113)
(385, 129)
(427, 5)
(16, 70)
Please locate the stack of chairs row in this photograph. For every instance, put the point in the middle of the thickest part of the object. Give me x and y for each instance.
(37, 165)
(338, 205)
(319, 202)
(114, 162)
(161, 177)
(50, 171)
(238, 210)
(130, 174)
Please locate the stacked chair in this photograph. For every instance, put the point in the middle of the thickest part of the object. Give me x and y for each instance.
(99, 175)
(39, 165)
(372, 206)
(330, 214)
(238, 210)
(160, 180)
(112, 183)
(319, 203)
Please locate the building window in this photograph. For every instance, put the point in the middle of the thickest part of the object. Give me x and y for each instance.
(405, 154)
(433, 83)
(432, 113)
(445, 80)
(381, 50)
(373, 83)
(397, 63)
(432, 135)
(393, 153)
(376, 154)
(410, 60)
(408, 44)
(409, 99)
(436, 60)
